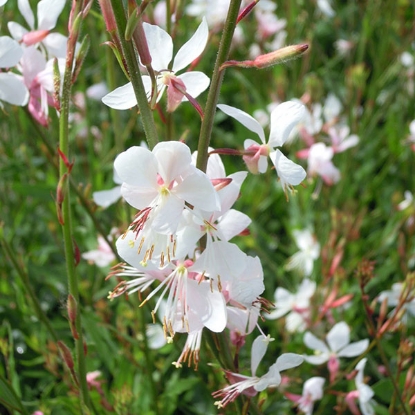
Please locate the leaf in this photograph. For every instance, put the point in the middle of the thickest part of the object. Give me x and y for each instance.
(9, 398)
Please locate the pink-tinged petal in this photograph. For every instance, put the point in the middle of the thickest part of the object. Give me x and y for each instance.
(312, 342)
(283, 119)
(208, 305)
(245, 119)
(55, 43)
(338, 337)
(138, 197)
(137, 166)
(16, 30)
(122, 98)
(48, 12)
(10, 52)
(27, 13)
(13, 90)
(174, 160)
(105, 198)
(32, 62)
(197, 190)
(289, 172)
(195, 82)
(160, 46)
(354, 349)
(259, 348)
(193, 48)
(169, 213)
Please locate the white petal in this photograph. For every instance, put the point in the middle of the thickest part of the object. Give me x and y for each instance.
(2, 2)
(195, 82)
(365, 393)
(197, 189)
(288, 171)
(10, 52)
(33, 62)
(354, 349)
(169, 213)
(209, 306)
(232, 223)
(27, 13)
(174, 160)
(245, 119)
(193, 48)
(314, 343)
(160, 46)
(12, 89)
(105, 198)
(259, 347)
(339, 336)
(16, 30)
(122, 98)
(56, 45)
(317, 359)
(138, 197)
(283, 119)
(137, 166)
(288, 361)
(314, 387)
(48, 12)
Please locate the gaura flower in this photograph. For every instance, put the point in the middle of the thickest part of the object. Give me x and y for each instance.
(283, 119)
(12, 88)
(312, 391)
(363, 393)
(48, 12)
(160, 45)
(338, 345)
(251, 385)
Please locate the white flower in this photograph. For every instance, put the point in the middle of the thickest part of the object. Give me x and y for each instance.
(312, 391)
(103, 256)
(309, 252)
(12, 88)
(297, 305)
(48, 12)
(338, 345)
(319, 163)
(364, 393)
(160, 45)
(283, 118)
(251, 385)
(215, 11)
(393, 297)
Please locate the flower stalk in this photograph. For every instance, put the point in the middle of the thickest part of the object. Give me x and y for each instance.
(135, 76)
(77, 15)
(214, 90)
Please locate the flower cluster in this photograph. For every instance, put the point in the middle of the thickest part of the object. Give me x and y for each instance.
(29, 56)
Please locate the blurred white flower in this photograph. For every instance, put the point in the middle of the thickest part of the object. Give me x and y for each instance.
(296, 305)
(309, 251)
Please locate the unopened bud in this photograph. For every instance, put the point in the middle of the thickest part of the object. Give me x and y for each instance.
(66, 355)
(270, 59)
(141, 44)
(108, 14)
(246, 11)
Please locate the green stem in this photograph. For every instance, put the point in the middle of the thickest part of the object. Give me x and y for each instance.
(135, 75)
(24, 277)
(66, 203)
(50, 154)
(214, 90)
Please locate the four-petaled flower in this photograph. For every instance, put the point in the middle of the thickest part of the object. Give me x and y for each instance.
(160, 45)
(283, 119)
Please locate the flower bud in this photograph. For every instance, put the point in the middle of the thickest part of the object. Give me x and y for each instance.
(269, 59)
